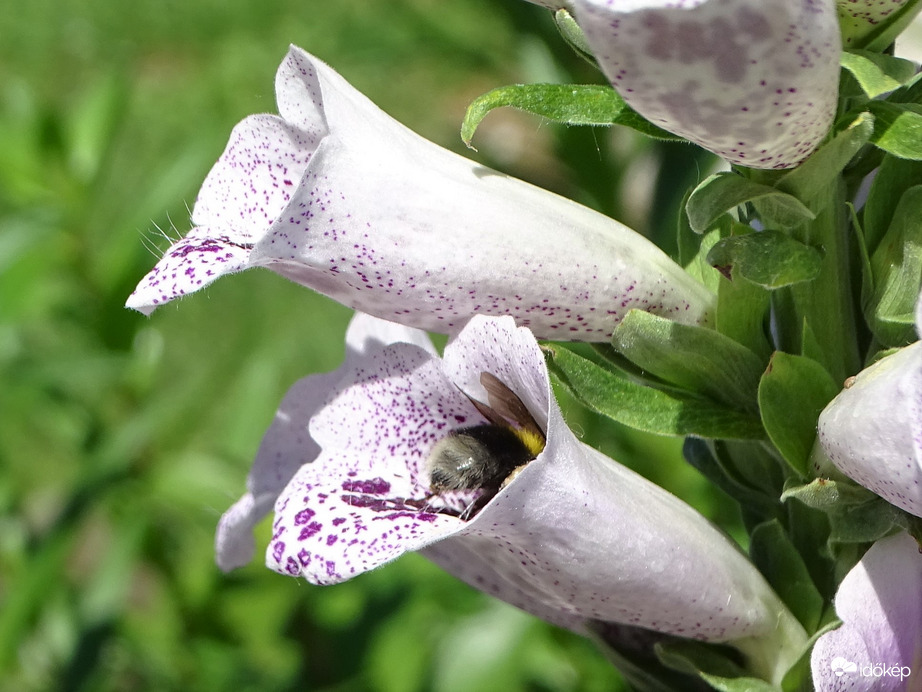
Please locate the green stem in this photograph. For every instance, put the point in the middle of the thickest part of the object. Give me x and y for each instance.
(772, 655)
(825, 306)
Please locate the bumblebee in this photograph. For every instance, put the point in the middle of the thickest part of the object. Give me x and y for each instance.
(487, 456)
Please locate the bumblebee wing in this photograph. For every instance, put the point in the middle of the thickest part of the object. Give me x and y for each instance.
(494, 417)
(506, 403)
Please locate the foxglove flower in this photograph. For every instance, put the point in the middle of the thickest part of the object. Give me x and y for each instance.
(879, 645)
(872, 431)
(338, 196)
(858, 18)
(753, 81)
(288, 445)
(574, 537)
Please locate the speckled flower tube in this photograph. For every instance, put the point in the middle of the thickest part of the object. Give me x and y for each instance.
(754, 81)
(878, 648)
(341, 198)
(573, 537)
(872, 431)
(860, 18)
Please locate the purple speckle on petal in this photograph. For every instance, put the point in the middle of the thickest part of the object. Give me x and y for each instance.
(309, 530)
(304, 516)
(375, 486)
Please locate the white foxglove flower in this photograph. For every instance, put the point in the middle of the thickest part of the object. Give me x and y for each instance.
(288, 445)
(338, 196)
(753, 81)
(574, 537)
(878, 648)
(872, 431)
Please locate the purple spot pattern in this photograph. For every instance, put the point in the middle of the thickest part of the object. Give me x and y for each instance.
(861, 16)
(872, 431)
(520, 556)
(428, 244)
(252, 182)
(365, 500)
(518, 549)
(195, 261)
(363, 262)
(756, 87)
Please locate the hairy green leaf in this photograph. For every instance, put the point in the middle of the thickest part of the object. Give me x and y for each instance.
(776, 557)
(723, 192)
(897, 128)
(792, 393)
(571, 104)
(877, 73)
(769, 259)
(645, 408)
(699, 360)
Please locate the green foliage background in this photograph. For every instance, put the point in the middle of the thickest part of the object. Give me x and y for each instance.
(123, 439)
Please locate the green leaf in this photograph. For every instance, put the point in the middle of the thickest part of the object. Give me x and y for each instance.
(696, 359)
(723, 192)
(770, 259)
(776, 557)
(897, 128)
(792, 393)
(825, 494)
(877, 73)
(742, 313)
(716, 463)
(738, 684)
(693, 248)
(637, 664)
(811, 178)
(810, 345)
(911, 92)
(865, 522)
(645, 408)
(897, 268)
(799, 677)
(711, 663)
(571, 104)
(893, 178)
(571, 33)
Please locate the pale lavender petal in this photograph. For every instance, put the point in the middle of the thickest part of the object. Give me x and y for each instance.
(919, 317)
(589, 537)
(424, 237)
(252, 182)
(881, 633)
(496, 346)
(288, 444)
(204, 255)
(365, 500)
(754, 82)
(298, 95)
(575, 536)
(395, 226)
(872, 431)
(473, 562)
(330, 529)
(367, 333)
(234, 542)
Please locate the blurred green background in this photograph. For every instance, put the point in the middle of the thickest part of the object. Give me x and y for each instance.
(123, 438)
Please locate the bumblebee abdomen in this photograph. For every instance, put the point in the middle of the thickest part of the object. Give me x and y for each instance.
(481, 456)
